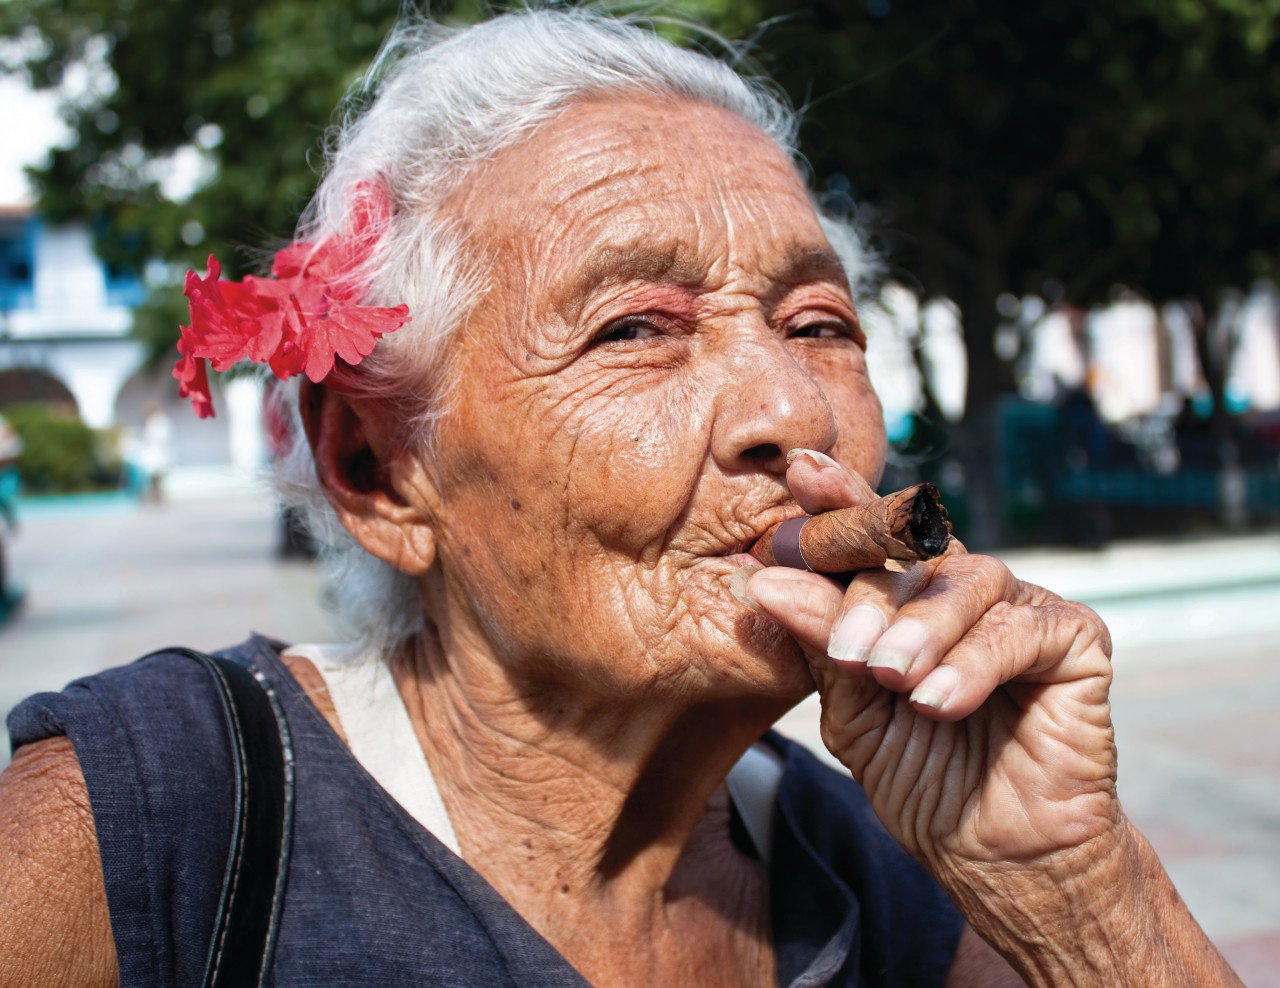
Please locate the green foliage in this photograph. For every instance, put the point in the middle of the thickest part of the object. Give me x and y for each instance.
(252, 85)
(60, 454)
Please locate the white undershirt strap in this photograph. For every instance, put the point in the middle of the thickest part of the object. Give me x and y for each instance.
(753, 786)
(379, 732)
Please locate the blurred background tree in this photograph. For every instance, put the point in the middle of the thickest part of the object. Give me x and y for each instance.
(1055, 148)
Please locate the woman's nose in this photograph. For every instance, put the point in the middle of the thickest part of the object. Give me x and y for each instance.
(768, 404)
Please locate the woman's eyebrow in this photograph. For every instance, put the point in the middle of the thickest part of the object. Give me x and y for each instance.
(663, 262)
(622, 263)
(812, 264)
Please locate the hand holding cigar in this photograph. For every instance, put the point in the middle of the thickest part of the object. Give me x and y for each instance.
(911, 524)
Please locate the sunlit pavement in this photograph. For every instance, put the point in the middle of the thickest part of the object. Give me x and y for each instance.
(1196, 700)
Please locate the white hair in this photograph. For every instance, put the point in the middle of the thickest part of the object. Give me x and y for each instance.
(438, 101)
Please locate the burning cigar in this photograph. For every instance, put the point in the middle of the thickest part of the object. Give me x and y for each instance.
(911, 524)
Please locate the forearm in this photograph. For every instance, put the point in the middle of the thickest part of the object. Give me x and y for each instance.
(1117, 922)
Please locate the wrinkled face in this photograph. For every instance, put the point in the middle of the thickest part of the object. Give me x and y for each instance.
(664, 321)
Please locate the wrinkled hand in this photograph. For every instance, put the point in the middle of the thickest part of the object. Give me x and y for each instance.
(971, 706)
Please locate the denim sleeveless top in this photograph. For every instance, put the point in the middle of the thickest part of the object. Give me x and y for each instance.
(372, 898)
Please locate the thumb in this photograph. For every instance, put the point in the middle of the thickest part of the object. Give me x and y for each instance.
(806, 605)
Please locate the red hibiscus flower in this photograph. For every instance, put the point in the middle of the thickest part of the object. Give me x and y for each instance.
(297, 322)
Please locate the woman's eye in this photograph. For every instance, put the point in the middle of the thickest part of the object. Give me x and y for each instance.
(820, 330)
(627, 329)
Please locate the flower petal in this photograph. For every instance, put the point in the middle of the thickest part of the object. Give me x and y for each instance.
(193, 382)
(349, 332)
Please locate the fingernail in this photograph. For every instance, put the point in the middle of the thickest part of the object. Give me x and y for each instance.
(738, 581)
(821, 459)
(855, 633)
(936, 688)
(899, 646)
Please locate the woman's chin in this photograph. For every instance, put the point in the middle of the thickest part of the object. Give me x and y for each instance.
(783, 667)
(765, 658)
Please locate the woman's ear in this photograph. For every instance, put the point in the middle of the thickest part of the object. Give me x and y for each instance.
(381, 494)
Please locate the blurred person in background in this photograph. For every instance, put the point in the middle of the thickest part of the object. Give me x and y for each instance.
(574, 336)
(155, 451)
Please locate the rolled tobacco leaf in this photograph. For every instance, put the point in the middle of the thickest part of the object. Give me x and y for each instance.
(911, 524)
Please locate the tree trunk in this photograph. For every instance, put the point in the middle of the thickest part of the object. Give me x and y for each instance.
(1214, 351)
(977, 443)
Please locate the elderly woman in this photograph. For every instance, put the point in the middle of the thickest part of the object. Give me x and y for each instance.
(629, 347)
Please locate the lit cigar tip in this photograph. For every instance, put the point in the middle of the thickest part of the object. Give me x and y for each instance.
(928, 527)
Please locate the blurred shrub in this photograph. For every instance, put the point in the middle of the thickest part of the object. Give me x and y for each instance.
(60, 454)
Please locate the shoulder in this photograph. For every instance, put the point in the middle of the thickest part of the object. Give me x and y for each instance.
(54, 924)
(144, 756)
(166, 695)
(151, 739)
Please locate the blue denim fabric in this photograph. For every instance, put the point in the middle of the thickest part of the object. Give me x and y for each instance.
(374, 899)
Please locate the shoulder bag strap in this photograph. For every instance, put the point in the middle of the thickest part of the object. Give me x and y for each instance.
(248, 915)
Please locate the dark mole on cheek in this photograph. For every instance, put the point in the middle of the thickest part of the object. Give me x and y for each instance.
(515, 504)
(564, 888)
(528, 355)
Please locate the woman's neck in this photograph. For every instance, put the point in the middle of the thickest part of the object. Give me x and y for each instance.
(589, 815)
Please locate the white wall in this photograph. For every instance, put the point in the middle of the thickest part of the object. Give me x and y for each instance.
(70, 291)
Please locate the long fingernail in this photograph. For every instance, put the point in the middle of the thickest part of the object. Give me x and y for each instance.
(936, 688)
(855, 633)
(821, 459)
(898, 647)
(738, 581)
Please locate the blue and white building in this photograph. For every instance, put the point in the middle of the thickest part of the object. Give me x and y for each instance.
(65, 319)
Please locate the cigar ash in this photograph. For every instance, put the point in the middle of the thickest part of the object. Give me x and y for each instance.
(929, 527)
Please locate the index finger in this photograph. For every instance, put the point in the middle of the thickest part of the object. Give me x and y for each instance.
(870, 604)
(873, 599)
(819, 483)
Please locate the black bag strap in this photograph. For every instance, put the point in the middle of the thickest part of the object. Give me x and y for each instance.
(248, 916)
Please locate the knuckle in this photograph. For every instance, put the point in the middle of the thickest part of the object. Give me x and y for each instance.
(1071, 620)
(815, 610)
(881, 586)
(827, 610)
(980, 580)
(1035, 594)
(1002, 631)
(1090, 628)
(1002, 617)
(993, 574)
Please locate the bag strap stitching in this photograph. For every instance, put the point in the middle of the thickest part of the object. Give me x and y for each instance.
(286, 830)
(241, 825)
